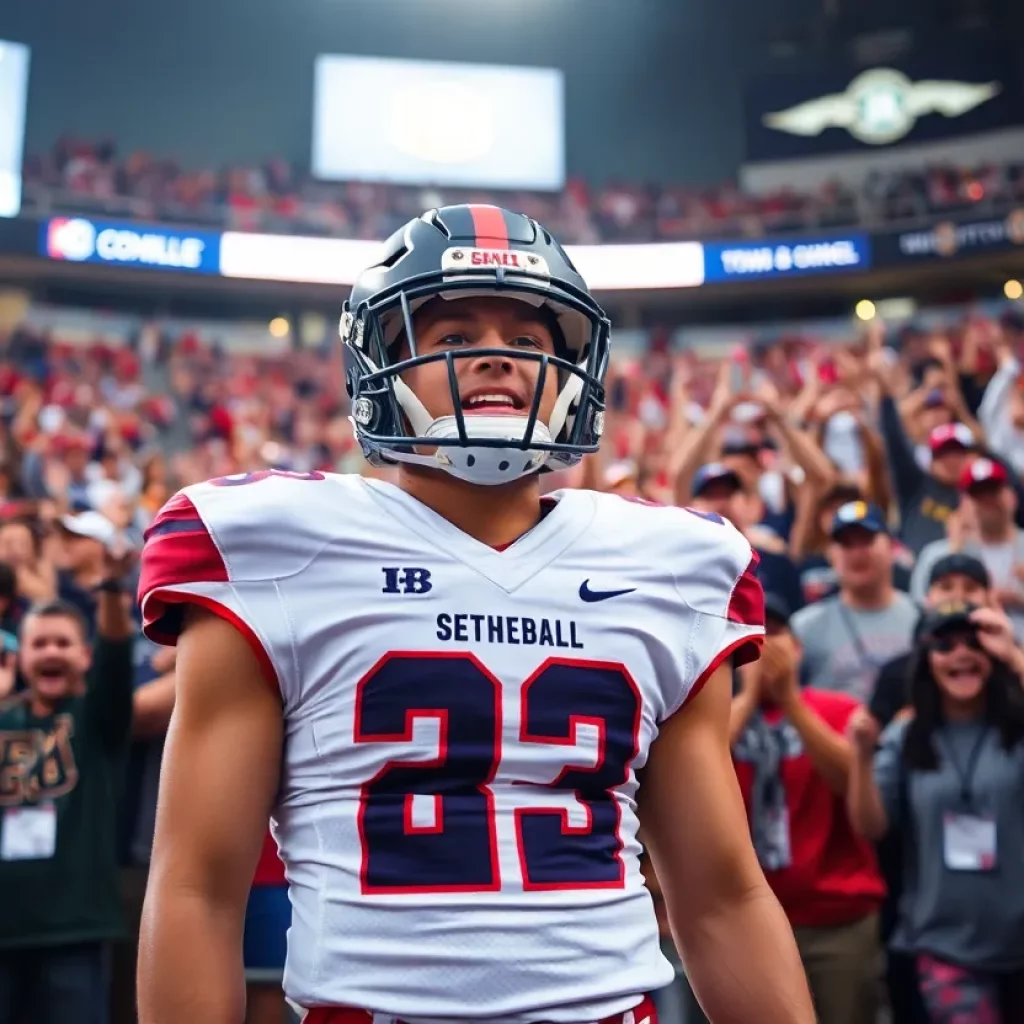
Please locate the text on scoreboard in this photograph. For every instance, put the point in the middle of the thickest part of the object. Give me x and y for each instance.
(732, 261)
(82, 240)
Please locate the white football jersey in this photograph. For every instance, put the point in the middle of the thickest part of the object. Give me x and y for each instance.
(464, 726)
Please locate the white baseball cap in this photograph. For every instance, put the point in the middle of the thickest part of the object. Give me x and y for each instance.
(93, 525)
(619, 472)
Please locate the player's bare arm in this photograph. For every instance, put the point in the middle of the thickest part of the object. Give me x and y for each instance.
(220, 774)
(732, 934)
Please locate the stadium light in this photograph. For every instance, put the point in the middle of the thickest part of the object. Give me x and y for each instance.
(279, 327)
(1013, 290)
(865, 310)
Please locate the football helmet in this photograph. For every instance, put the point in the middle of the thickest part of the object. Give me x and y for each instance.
(463, 251)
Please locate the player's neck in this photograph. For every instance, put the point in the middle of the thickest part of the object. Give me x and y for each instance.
(497, 516)
(872, 598)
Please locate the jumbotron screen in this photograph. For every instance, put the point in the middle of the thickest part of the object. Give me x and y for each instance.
(420, 122)
(13, 95)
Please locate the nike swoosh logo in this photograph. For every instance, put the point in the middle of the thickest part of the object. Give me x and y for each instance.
(590, 596)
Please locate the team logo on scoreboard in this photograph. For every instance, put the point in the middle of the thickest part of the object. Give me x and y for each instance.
(70, 239)
(882, 106)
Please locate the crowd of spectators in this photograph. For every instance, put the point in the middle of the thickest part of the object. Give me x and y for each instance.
(875, 478)
(83, 176)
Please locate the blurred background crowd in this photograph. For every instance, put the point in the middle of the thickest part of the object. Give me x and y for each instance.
(861, 421)
(82, 176)
(880, 474)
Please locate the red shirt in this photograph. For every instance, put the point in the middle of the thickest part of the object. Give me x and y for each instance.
(269, 870)
(832, 878)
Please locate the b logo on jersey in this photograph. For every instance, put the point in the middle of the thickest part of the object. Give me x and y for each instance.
(406, 581)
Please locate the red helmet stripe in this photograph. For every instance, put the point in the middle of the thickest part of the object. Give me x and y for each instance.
(489, 227)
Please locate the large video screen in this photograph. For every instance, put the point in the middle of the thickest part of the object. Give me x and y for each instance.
(13, 94)
(432, 123)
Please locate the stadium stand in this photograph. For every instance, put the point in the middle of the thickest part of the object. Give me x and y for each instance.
(93, 177)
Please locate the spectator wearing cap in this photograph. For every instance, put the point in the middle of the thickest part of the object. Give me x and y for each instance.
(719, 489)
(809, 542)
(743, 446)
(86, 538)
(948, 779)
(955, 578)
(792, 759)
(926, 497)
(715, 488)
(621, 478)
(847, 637)
(984, 526)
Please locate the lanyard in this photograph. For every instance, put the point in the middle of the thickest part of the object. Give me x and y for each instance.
(965, 777)
(850, 626)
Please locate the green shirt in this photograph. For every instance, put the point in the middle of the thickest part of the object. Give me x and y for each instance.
(72, 761)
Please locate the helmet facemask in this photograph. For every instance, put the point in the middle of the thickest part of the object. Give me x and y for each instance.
(393, 425)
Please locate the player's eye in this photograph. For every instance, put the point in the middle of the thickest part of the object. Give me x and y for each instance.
(453, 339)
(527, 341)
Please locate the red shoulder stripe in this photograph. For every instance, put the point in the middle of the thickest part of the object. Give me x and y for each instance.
(179, 550)
(746, 603)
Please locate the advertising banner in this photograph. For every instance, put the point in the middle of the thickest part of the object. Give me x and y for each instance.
(951, 239)
(340, 260)
(771, 257)
(86, 240)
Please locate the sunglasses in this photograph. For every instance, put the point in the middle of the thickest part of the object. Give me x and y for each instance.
(946, 643)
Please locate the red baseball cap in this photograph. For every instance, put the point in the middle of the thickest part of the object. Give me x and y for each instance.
(950, 434)
(983, 471)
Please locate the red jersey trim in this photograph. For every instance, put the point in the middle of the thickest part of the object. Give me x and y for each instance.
(645, 1008)
(746, 649)
(746, 602)
(179, 550)
(153, 630)
(269, 870)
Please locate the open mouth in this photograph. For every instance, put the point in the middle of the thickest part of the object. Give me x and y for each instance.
(965, 677)
(493, 404)
(51, 674)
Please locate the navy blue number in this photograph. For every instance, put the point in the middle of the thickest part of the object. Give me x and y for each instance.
(711, 517)
(553, 853)
(453, 845)
(244, 479)
(456, 851)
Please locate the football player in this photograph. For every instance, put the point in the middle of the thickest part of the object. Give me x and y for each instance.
(444, 693)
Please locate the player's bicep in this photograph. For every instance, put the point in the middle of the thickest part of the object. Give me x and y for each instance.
(221, 763)
(691, 811)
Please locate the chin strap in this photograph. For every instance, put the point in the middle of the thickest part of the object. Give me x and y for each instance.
(482, 464)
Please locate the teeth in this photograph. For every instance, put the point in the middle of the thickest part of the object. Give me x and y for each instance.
(490, 400)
